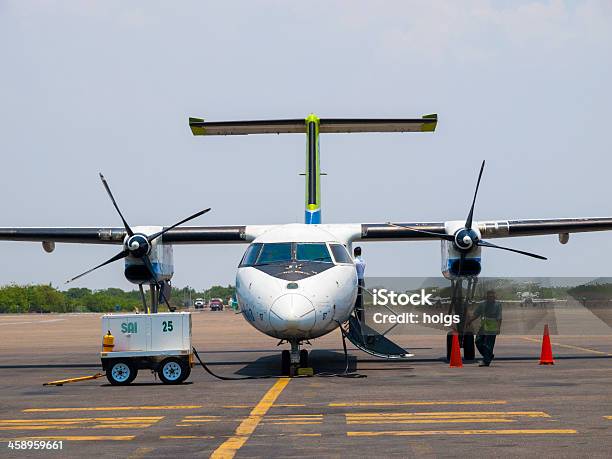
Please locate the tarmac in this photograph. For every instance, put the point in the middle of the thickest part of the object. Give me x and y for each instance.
(414, 408)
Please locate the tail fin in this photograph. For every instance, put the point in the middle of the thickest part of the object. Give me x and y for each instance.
(312, 126)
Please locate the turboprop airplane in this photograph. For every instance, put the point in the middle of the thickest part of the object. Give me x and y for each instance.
(297, 282)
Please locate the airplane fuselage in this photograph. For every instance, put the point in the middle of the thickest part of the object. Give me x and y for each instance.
(296, 282)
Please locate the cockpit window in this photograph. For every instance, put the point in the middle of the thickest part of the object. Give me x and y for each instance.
(251, 254)
(340, 253)
(275, 252)
(312, 252)
(259, 254)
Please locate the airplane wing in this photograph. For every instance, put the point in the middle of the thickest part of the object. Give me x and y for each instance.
(345, 232)
(489, 229)
(116, 235)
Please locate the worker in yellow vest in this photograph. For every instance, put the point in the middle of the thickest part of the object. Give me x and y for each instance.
(490, 314)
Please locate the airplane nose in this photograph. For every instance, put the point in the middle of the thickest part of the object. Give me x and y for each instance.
(292, 314)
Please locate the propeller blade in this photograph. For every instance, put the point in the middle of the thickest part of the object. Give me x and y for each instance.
(165, 300)
(149, 265)
(493, 246)
(125, 223)
(468, 222)
(156, 235)
(448, 237)
(119, 256)
(461, 260)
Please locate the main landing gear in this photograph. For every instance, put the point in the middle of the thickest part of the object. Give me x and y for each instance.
(294, 359)
(460, 301)
(159, 293)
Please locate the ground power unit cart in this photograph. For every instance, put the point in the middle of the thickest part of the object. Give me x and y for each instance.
(158, 342)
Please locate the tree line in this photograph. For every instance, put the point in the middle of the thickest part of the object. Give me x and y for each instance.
(46, 298)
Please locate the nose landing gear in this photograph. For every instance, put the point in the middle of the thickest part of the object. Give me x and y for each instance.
(294, 359)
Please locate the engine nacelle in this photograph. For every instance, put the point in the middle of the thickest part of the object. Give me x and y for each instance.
(452, 267)
(161, 256)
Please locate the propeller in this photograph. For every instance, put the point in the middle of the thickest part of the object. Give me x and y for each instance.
(136, 245)
(465, 239)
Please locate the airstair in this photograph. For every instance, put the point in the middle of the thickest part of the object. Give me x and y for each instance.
(372, 342)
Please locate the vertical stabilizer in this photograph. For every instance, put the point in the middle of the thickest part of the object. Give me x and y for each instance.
(313, 172)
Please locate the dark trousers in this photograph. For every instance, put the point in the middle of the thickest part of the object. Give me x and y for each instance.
(359, 301)
(485, 345)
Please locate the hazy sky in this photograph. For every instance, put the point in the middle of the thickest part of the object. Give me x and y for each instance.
(108, 86)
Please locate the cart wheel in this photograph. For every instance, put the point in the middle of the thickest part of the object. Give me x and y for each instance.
(121, 373)
(173, 371)
(187, 372)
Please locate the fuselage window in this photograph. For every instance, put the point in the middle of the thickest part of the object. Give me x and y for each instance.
(312, 252)
(340, 253)
(251, 254)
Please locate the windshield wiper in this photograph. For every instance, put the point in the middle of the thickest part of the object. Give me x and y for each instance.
(271, 263)
(323, 259)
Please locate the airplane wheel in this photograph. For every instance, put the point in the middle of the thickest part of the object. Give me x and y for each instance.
(121, 373)
(303, 358)
(173, 371)
(469, 353)
(285, 362)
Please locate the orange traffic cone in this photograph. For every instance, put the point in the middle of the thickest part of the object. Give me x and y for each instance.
(546, 356)
(455, 360)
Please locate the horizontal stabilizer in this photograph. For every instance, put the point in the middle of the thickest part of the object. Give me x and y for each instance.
(326, 125)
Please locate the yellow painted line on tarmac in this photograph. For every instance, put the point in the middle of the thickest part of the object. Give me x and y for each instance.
(74, 420)
(209, 437)
(75, 438)
(449, 414)
(296, 417)
(416, 433)
(280, 405)
(59, 427)
(112, 408)
(297, 423)
(420, 403)
(230, 447)
(186, 437)
(79, 423)
(569, 346)
(432, 421)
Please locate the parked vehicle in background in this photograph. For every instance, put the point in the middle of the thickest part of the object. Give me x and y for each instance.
(216, 304)
(199, 303)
